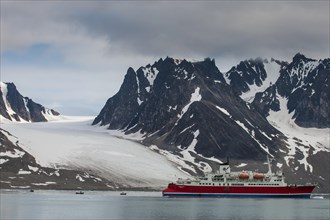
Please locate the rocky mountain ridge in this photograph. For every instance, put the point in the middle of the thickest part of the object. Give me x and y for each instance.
(305, 84)
(15, 107)
(191, 112)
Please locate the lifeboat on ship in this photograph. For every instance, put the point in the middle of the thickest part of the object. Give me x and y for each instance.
(258, 176)
(243, 176)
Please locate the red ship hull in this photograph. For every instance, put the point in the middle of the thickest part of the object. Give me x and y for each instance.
(175, 190)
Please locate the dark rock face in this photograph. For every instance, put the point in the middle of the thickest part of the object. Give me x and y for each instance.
(177, 103)
(247, 73)
(305, 84)
(19, 169)
(15, 107)
(119, 109)
(269, 101)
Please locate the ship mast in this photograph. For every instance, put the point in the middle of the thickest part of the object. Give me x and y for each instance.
(269, 166)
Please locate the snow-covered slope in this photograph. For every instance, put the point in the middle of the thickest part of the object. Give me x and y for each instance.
(300, 140)
(74, 143)
(19, 170)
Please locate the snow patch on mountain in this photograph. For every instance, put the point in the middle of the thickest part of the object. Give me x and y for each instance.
(11, 154)
(34, 169)
(223, 111)
(150, 74)
(181, 165)
(23, 172)
(2, 161)
(273, 72)
(138, 90)
(195, 97)
(300, 140)
(302, 70)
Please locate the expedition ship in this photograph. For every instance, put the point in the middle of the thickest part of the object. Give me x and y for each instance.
(225, 183)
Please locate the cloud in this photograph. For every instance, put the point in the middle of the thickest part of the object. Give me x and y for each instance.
(91, 44)
(212, 28)
(170, 28)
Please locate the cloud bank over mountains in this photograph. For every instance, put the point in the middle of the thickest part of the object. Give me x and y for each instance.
(91, 44)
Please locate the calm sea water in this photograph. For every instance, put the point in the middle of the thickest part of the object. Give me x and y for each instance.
(150, 205)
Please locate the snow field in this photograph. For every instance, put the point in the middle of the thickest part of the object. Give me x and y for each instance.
(75, 143)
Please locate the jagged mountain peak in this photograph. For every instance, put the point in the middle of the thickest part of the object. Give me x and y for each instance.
(183, 109)
(252, 76)
(196, 116)
(304, 83)
(15, 107)
(300, 57)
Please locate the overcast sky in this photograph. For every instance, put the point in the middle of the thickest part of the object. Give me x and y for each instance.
(72, 56)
